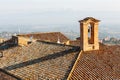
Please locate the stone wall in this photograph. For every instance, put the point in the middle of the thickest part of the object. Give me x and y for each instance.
(21, 41)
(89, 42)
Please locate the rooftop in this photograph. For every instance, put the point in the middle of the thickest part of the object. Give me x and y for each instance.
(40, 60)
(89, 18)
(102, 64)
(44, 59)
(7, 76)
(50, 36)
(47, 60)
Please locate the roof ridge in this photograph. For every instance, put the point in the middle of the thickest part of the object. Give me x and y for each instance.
(74, 65)
(40, 33)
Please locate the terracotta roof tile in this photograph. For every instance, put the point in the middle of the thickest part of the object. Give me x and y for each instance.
(103, 64)
(51, 36)
(7, 76)
(40, 61)
(74, 42)
(89, 18)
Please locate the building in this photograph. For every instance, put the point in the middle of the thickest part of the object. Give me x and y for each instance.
(46, 60)
(55, 37)
(89, 34)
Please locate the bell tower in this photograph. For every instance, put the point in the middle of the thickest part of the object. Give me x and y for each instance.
(89, 34)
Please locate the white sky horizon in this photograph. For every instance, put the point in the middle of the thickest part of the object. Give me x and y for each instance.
(33, 12)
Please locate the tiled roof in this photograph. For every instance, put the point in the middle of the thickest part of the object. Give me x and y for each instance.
(74, 42)
(98, 65)
(46, 60)
(51, 36)
(7, 76)
(40, 61)
(89, 18)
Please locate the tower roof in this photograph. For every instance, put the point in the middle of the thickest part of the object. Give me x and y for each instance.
(89, 18)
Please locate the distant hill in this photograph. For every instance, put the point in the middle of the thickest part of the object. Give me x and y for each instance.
(72, 31)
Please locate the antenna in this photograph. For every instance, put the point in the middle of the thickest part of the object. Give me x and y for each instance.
(18, 30)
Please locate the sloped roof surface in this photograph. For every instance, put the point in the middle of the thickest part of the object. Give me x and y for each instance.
(98, 65)
(51, 36)
(40, 61)
(75, 42)
(6, 76)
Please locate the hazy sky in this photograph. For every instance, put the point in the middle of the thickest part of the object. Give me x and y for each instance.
(41, 12)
